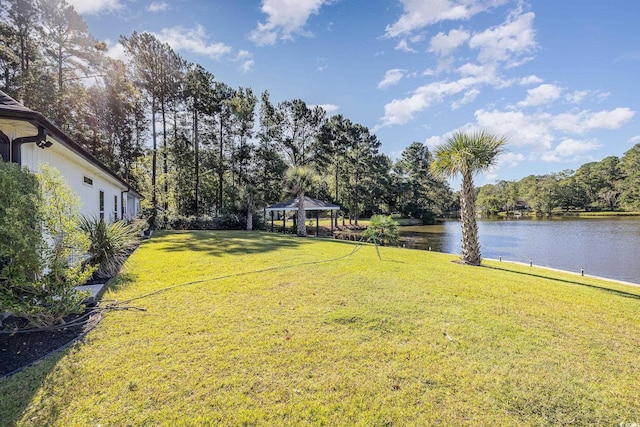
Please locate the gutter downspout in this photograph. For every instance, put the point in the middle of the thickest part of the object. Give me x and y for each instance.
(39, 139)
(122, 204)
(5, 147)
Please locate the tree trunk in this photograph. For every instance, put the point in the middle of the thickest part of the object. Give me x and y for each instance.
(220, 169)
(197, 161)
(336, 199)
(470, 246)
(154, 199)
(249, 214)
(302, 217)
(356, 213)
(165, 163)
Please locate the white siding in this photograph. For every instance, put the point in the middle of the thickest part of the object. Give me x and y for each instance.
(74, 168)
(132, 205)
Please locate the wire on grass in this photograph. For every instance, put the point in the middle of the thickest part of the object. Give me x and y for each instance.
(118, 305)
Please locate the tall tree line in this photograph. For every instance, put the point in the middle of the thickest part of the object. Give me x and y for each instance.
(193, 145)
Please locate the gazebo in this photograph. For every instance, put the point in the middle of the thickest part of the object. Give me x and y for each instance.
(310, 204)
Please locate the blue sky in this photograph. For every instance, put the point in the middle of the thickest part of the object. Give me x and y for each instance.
(559, 79)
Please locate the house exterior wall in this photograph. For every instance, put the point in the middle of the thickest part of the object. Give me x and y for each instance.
(132, 206)
(89, 182)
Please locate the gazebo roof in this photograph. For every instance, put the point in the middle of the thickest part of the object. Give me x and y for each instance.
(310, 204)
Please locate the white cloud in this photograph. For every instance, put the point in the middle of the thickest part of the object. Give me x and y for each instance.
(570, 149)
(576, 97)
(419, 13)
(284, 19)
(445, 44)
(530, 80)
(93, 7)
(196, 40)
(158, 6)
(403, 45)
(485, 73)
(613, 119)
(510, 160)
(585, 121)
(329, 108)
(501, 46)
(539, 131)
(392, 77)
(434, 141)
(542, 94)
(116, 51)
(635, 139)
(520, 129)
(245, 59)
(401, 111)
(468, 98)
(193, 40)
(507, 41)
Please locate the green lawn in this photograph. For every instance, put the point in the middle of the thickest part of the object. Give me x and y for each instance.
(412, 339)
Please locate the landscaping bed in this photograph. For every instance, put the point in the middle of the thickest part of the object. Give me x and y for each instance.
(21, 349)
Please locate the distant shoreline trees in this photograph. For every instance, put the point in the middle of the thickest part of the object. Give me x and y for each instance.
(612, 184)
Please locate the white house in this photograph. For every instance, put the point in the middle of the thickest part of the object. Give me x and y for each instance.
(28, 138)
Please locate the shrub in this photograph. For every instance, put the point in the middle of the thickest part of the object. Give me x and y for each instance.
(227, 221)
(20, 233)
(381, 230)
(230, 221)
(41, 287)
(110, 245)
(139, 225)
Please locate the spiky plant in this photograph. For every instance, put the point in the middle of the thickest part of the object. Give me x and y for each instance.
(382, 229)
(111, 244)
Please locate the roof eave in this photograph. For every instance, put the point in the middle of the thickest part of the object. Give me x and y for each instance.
(37, 119)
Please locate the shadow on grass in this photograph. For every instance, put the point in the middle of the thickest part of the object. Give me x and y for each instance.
(572, 282)
(122, 280)
(218, 243)
(18, 391)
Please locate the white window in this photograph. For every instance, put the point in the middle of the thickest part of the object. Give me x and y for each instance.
(101, 205)
(87, 180)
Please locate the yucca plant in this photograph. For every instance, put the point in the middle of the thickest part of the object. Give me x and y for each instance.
(111, 244)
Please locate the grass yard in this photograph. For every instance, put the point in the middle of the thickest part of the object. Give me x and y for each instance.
(412, 339)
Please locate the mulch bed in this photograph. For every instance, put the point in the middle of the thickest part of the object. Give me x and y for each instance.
(20, 350)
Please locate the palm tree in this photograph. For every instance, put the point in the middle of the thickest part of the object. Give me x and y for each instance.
(298, 181)
(467, 155)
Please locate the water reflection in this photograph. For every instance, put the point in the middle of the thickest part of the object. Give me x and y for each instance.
(603, 247)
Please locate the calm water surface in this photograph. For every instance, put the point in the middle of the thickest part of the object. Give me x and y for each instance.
(608, 247)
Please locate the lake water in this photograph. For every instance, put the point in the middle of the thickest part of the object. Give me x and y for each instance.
(607, 247)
